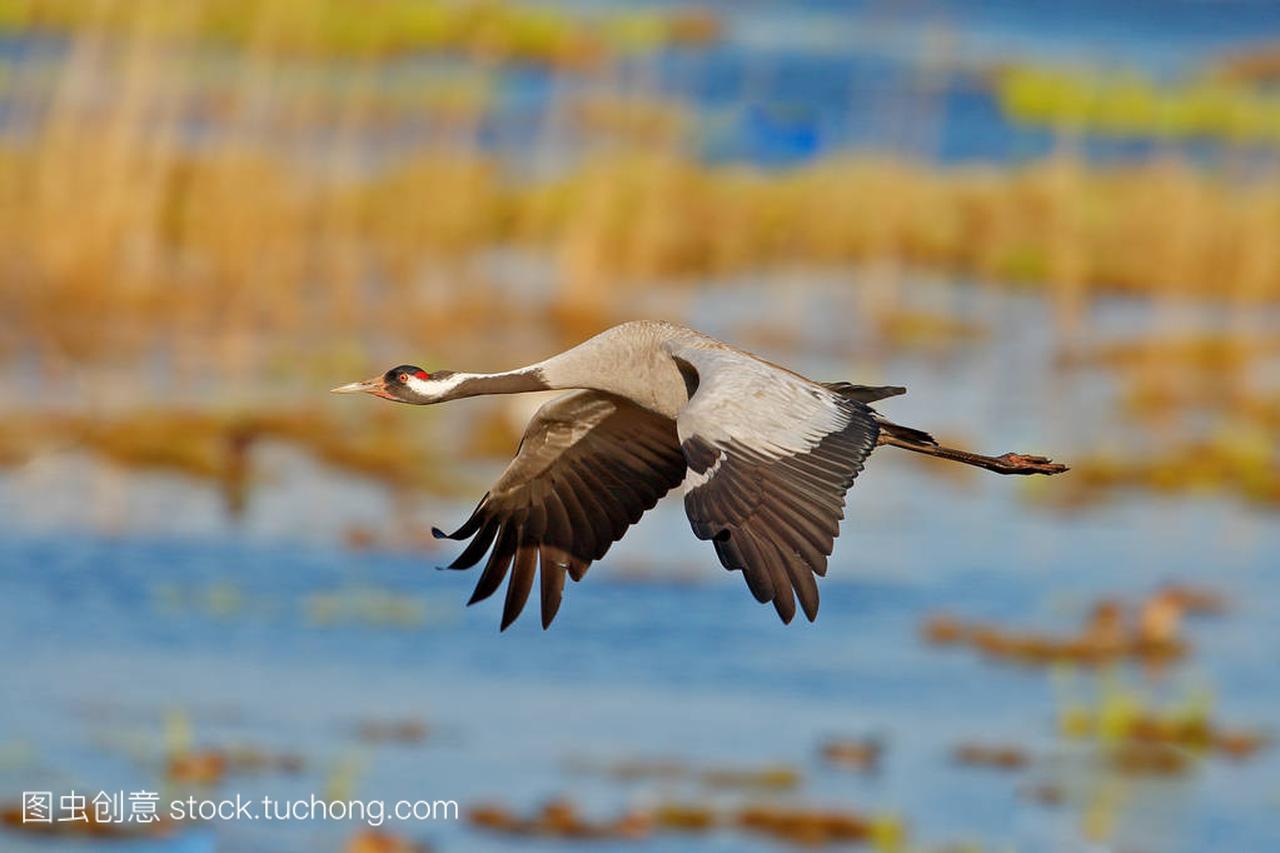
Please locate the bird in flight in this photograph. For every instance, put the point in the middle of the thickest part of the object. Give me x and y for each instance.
(764, 454)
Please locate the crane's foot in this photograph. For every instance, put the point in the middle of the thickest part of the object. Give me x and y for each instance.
(1008, 463)
(1021, 463)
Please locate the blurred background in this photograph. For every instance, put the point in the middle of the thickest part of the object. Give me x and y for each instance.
(1056, 223)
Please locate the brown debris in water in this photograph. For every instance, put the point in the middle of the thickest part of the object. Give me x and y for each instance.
(862, 754)
(1150, 633)
(1149, 759)
(818, 827)
(210, 766)
(198, 767)
(776, 777)
(560, 819)
(1046, 794)
(375, 841)
(406, 731)
(1194, 733)
(683, 817)
(996, 756)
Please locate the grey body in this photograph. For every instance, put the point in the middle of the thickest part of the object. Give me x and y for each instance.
(764, 454)
(634, 360)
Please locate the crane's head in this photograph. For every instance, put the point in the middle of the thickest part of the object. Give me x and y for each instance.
(404, 384)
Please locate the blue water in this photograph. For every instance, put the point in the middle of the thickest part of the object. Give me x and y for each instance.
(680, 665)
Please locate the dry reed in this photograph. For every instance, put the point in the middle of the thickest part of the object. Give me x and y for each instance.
(124, 229)
(101, 254)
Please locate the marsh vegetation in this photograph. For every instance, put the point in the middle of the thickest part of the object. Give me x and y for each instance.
(212, 211)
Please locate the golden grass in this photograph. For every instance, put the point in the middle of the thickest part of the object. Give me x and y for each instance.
(1239, 462)
(120, 234)
(110, 247)
(1129, 104)
(493, 31)
(212, 445)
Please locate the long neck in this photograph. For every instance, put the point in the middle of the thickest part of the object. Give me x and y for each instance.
(582, 366)
(510, 382)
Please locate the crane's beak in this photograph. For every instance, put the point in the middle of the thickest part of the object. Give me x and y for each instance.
(373, 386)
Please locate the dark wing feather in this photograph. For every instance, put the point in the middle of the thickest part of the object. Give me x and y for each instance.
(589, 465)
(770, 459)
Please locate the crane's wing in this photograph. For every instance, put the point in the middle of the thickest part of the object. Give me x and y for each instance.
(589, 465)
(770, 457)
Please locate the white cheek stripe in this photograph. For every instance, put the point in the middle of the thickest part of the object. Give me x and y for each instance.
(434, 387)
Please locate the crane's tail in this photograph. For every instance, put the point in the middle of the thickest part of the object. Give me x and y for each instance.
(918, 441)
(865, 393)
(905, 434)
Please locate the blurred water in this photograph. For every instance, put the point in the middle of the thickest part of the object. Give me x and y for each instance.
(635, 669)
(658, 652)
(126, 597)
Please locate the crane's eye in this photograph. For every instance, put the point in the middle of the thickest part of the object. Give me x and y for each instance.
(404, 378)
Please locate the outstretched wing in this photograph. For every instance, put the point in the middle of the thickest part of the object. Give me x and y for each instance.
(589, 465)
(770, 458)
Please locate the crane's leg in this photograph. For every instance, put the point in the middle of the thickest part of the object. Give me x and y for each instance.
(1007, 463)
